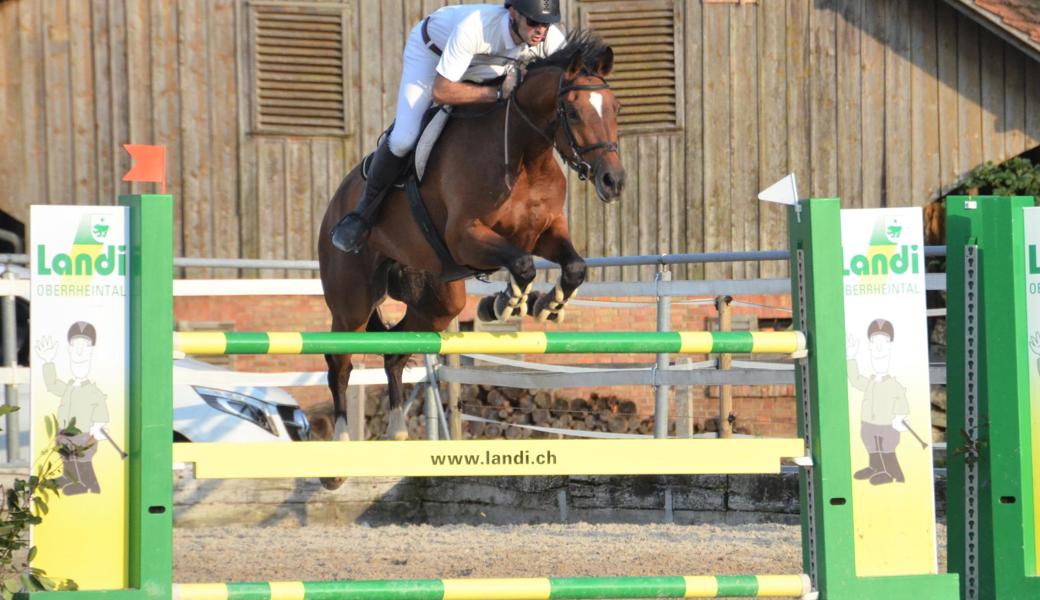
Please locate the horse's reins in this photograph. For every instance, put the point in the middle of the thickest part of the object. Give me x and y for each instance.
(575, 161)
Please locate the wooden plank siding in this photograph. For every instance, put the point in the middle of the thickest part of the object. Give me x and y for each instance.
(883, 102)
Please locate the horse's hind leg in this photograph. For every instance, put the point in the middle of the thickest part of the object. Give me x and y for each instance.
(339, 375)
(431, 307)
(340, 367)
(393, 365)
(555, 245)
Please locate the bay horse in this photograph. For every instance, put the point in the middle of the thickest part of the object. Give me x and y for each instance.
(495, 195)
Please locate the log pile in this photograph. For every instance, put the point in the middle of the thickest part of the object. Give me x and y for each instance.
(509, 406)
(542, 408)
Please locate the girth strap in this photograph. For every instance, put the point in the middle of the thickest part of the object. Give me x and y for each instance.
(450, 270)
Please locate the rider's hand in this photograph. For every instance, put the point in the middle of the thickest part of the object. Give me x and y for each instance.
(900, 422)
(509, 83)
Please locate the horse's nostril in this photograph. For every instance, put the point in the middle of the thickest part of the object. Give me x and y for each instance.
(608, 180)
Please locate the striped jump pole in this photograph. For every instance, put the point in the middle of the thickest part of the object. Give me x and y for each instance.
(544, 588)
(425, 342)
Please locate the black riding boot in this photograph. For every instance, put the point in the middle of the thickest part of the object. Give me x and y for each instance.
(352, 230)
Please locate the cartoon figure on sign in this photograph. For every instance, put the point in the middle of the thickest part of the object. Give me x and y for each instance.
(82, 411)
(885, 407)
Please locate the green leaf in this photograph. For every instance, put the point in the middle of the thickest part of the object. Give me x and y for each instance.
(32, 554)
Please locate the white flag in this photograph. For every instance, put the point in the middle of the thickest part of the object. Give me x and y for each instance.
(784, 191)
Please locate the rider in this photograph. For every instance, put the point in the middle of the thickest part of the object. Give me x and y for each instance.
(446, 57)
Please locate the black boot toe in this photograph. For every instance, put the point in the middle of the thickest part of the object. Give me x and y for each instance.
(349, 234)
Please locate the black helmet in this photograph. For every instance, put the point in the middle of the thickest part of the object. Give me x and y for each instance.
(543, 11)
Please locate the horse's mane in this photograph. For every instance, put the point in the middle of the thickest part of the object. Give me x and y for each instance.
(580, 42)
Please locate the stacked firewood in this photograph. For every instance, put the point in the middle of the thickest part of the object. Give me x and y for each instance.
(542, 408)
(506, 406)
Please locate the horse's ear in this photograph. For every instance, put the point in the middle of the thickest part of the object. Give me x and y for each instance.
(576, 65)
(606, 63)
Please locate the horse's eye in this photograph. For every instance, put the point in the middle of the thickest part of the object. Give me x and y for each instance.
(573, 115)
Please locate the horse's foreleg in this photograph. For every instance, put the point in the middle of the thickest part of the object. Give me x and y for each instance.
(555, 245)
(476, 245)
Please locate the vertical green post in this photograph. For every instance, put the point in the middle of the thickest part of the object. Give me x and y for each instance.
(151, 394)
(991, 503)
(823, 418)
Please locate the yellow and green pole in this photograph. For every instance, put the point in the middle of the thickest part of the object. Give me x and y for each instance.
(535, 588)
(428, 342)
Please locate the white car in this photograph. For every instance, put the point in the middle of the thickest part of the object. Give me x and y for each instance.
(220, 413)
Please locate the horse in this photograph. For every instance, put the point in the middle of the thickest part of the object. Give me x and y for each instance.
(494, 192)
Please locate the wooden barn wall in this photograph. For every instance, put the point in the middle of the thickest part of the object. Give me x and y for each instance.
(881, 102)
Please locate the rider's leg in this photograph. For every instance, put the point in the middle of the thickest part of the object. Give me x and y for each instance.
(413, 98)
(350, 233)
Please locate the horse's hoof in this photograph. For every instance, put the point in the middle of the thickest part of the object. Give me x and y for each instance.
(332, 483)
(486, 309)
(548, 308)
(508, 307)
(551, 316)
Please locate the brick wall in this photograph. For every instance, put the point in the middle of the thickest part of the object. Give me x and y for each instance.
(759, 410)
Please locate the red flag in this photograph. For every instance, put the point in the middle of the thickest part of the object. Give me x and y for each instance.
(149, 164)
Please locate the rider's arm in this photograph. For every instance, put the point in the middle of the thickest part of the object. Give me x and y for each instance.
(466, 41)
(455, 93)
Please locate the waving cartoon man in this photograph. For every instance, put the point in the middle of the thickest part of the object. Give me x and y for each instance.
(82, 404)
(885, 407)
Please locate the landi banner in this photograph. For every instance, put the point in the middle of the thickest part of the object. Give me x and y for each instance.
(889, 394)
(79, 380)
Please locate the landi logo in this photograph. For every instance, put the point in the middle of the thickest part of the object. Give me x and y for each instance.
(885, 255)
(90, 255)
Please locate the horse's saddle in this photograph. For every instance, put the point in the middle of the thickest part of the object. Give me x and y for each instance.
(433, 123)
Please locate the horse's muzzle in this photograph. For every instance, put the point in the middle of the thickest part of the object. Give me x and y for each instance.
(609, 181)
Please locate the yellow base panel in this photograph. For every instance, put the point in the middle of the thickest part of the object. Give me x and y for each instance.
(488, 458)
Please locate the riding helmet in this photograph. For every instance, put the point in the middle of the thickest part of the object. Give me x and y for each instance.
(84, 330)
(542, 11)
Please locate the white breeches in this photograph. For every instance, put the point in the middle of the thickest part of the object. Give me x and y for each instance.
(415, 94)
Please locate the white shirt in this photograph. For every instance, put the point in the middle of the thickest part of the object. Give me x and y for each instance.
(477, 43)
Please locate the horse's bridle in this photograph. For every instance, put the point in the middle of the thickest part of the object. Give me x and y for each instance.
(575, 161)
